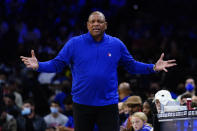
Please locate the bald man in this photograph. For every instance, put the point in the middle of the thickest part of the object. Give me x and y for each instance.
(124, 91)
(94, 58)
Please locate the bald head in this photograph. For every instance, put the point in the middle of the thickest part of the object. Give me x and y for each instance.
(124, 86)
(124, 90)
(96, 13)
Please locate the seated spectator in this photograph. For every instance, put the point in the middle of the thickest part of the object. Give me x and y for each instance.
(55, 118)
(68, 103)
(194, 98)
(147, 110)
(154, 112)
(183, 100)
(139, 122)
(64, 91)
(133, 104)
(12, 87)
(29, 120)
(7, 121)
(190, 87)
(123, 112)
(124, 91)
(10, 106)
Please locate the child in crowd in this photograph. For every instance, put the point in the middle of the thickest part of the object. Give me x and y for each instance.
(139, 122)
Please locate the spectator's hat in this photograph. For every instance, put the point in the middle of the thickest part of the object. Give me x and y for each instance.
(134, 100)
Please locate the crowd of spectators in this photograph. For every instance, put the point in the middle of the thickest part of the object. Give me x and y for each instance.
(147, 28)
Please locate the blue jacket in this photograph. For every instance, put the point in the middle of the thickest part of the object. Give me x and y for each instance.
(94, 68)
(146, 128)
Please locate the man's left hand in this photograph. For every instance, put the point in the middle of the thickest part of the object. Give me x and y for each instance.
(162, 65)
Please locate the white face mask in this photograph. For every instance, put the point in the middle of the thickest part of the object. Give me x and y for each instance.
(54, 110)
(26, 111)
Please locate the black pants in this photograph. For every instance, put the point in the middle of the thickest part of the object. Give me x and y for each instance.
(105, 117)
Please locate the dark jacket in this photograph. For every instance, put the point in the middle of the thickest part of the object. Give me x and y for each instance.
(38, 123)
(8, 124)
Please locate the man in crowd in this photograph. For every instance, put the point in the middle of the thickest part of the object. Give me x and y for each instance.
(28, 120)
(55, 118)
(7, 121)
(124, 91)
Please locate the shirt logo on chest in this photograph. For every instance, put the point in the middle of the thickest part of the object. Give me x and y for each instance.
(109, 54)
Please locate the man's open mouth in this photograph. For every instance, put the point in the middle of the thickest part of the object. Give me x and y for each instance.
(96, 29)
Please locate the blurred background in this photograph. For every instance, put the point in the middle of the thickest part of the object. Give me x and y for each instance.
(147, 28)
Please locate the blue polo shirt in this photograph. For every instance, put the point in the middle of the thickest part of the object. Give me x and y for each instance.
(94, 68)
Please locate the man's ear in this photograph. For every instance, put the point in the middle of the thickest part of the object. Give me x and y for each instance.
(106, 25)
(87, 24)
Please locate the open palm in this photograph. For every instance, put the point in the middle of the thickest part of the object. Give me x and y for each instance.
(30, 62)
(162, 65)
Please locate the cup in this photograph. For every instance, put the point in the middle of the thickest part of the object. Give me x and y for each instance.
(189, 102)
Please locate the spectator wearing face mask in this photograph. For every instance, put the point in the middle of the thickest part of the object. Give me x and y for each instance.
(29, 120)
(190, 88)
(55, 118)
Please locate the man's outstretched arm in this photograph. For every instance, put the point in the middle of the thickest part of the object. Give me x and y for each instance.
(136, 67)
(50, 66)
(54, 65)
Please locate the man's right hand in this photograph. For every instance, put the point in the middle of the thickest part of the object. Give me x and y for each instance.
(30, 62)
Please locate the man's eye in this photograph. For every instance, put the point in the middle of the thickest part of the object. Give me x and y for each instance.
(100, 22)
